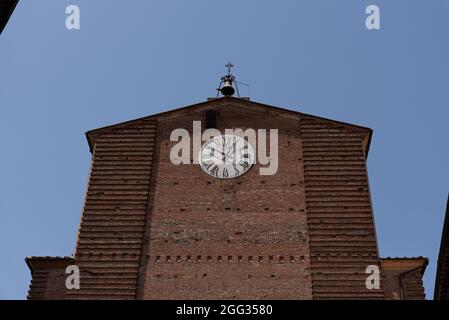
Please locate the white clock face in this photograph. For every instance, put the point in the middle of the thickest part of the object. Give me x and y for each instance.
(226, 156)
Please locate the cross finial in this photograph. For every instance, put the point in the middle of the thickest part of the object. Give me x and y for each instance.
(229, 66)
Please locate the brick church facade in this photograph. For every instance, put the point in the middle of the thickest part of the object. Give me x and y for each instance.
(154, 230)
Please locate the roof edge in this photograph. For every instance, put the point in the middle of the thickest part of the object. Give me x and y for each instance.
(424, 261)
(90, 133)
(405, 258)
(34, 262)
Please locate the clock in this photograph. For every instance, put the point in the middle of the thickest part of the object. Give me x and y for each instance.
(226, 156)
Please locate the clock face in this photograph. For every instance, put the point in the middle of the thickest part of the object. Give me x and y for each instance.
(226, 156)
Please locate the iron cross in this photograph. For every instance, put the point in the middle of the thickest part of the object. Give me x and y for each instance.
(229, 66)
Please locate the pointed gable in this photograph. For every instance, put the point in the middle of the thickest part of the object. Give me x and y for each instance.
(241, 104)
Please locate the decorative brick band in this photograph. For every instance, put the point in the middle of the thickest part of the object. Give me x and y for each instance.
(227, 259)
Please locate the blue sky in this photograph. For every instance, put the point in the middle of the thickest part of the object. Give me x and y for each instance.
(146, 56)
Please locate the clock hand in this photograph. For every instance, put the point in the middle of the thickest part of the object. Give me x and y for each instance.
(220, 154)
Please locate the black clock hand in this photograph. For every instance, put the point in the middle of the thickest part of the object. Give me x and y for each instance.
(217, 155)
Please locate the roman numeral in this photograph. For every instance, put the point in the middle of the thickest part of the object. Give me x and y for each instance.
(225, 173)
(214, 171)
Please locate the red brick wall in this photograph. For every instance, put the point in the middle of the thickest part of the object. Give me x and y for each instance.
(244, 238)
(110, 237)
(402, 278)
(340, 221)
(48, 277)
(413, 286)
(154, 230)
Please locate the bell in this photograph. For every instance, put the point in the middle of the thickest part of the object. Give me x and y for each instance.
(227, 89)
